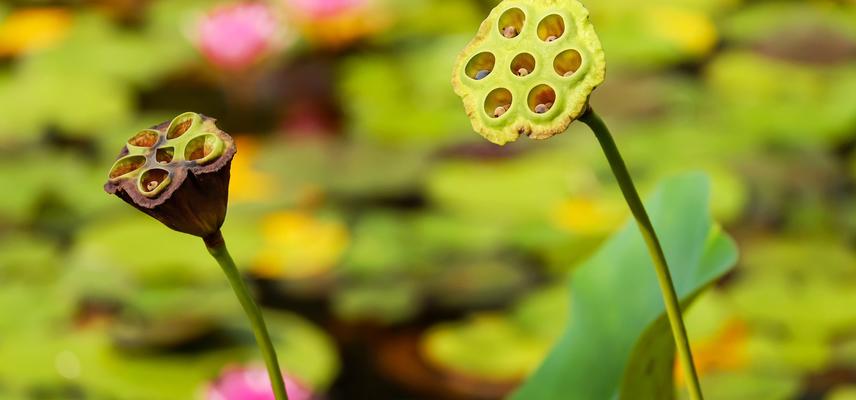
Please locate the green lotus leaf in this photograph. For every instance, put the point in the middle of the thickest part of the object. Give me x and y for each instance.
(617, 342)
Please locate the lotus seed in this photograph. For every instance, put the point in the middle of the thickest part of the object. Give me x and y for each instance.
(152, 185)
(567, 74)
(551, 38)
(482, 74)
(542, 108)
(509, 32)
(522, 72)
(501, 110)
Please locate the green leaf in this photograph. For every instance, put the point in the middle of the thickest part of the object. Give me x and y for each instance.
(617, 341)
(47, 351)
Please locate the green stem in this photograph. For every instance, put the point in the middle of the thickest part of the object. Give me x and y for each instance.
(217, 247)
(670, 298)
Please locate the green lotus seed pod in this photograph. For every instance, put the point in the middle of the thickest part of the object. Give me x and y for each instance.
(178, 173)
(544, 60)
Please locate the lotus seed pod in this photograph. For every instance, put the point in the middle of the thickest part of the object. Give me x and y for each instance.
(554, 42)
(178, 173)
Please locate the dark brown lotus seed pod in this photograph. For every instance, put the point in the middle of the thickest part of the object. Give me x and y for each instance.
(178, 173)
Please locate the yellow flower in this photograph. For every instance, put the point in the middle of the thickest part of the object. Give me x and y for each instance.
(299, 245)
(32, 29)
(691, 31)
(588, 216)
(725, 351)
(248, 184)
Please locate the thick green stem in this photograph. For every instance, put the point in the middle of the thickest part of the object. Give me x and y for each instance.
(217, 247)
(670, 298)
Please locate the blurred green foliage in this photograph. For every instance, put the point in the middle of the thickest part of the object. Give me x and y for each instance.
(358, 154)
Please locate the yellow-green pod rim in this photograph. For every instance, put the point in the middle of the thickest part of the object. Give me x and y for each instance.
(204, 149)
(543, 60)
(126, 167)
(159, 176)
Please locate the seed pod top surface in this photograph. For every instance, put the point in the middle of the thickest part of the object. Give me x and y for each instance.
(177, 172)
(530, 69)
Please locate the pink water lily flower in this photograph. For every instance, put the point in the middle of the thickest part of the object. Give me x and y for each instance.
(336, 23)
(235, 36)
(319, 9)
(253, 383)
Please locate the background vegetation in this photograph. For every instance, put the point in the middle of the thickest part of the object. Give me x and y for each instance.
(399, 254)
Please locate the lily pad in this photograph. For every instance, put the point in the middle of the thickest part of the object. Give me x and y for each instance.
(44, 350)
(412, 87)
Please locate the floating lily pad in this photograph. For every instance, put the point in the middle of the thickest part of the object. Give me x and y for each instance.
(487, 347)
(411, 86)
(754, 100)
(500, 347)
(44, 350)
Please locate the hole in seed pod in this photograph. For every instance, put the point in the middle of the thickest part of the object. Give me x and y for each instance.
(481, 65)
(498, 102)
(126, 165)
(165, 155)
(511, 23)
(523, 64)
(153, 178)
(551, 28)
(199, 149)
(180, 126)
(145, 138)
(541, 99)
(568, 62)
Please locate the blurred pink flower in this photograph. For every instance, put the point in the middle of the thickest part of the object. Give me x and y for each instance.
(324, 8)
(235, 36)
(252, 383)
(336, 23)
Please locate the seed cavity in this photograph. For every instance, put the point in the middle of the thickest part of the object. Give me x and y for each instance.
(523, 64)
(165, 155)
(180, 125)
(146, 138)
(551, 28)
(126, 165)
(568, 62)
(202, 149)
(481, 65)
(541, 99)
(498, 102)
(153, 179)
(511, 23)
